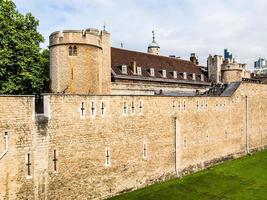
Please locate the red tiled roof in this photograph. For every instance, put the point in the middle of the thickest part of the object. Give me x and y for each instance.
(146, 61)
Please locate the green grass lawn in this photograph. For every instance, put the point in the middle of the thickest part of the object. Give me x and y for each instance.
(242, 179)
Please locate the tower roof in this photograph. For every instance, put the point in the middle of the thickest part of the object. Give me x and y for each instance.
(153, 44)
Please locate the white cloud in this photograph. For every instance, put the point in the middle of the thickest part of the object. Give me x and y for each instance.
(183, 26)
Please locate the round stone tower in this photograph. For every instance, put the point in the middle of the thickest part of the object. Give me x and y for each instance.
(233, 71)
(153, 47)
(80, 62)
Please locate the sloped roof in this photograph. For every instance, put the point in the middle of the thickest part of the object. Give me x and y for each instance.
(146, 61)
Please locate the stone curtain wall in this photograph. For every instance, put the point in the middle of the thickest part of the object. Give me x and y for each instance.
(211, 129)
(17, 119)
(93, 147)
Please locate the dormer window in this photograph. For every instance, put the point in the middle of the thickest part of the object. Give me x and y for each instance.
(152, 72)
(202, 77)
(163, 73)
(193, 76)
(124, 69)
(174, 74)
(139, 71)
(184, 75)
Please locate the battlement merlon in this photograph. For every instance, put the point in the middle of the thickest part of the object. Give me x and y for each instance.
(91, 36)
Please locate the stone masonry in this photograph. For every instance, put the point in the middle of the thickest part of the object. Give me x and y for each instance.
(97, 146)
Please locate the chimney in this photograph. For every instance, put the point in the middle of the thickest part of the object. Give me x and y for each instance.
(194, 59)
(133, 67)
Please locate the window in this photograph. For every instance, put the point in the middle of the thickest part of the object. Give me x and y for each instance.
(145, 150)
(226, 133)
(184, 106)
(152, 72)
(193, 76)
(133, 107)
(185, 142)
(103, 108)
(82, 110)
(70, 51)
(207, 138)
(93, 109)
(28, 164)
(55, 160)
(179, 106)
(164, 73)
(107, 157)
(174, 74)
(139, 71)
(197, 106)
(184, 75)
(125, 109)
(140, 107)
(124, 69)
(173, 105)
(73, 51)
(202, 77)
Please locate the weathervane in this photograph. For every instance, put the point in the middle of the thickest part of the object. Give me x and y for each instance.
(153, 33)
(104, 26)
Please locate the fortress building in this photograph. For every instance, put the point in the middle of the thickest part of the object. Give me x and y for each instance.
(226, 70)
(118, 120)
(83, 62)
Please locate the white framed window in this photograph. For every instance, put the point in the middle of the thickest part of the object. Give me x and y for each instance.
(185, 75)
(152, 72)
(107, 157)
(139, 71)
(202, 77)
(124, 69)
(193, 76)
(125, 108)
(174, 74)
(164, 73)
(145, 150)
(93, 109)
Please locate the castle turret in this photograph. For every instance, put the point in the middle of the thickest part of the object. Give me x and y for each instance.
(80, 62)
(214, 68)
(233, 71)
(153, 47)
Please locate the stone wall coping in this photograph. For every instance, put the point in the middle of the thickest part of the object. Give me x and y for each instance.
(14, 95)
(133, 95)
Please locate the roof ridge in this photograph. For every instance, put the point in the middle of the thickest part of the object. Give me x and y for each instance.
(156, 55)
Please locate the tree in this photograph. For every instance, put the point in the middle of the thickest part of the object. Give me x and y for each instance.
(23, 67)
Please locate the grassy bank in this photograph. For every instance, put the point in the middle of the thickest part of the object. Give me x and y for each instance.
(241, 179)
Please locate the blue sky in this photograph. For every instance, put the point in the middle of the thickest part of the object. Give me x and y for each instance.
(182, 26)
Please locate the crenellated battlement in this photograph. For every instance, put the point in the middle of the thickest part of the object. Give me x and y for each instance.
(89, 36)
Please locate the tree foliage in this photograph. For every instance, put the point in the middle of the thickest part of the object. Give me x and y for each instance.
(23, 66)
